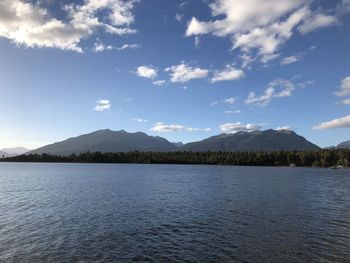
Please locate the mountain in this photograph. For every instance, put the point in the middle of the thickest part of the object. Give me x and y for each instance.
(108, 141)
(122, 141)
(269, 140)
(344, 145)
(15, 151)
(178, 144)
(4, 154)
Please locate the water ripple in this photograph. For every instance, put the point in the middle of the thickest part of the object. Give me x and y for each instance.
(169, 213)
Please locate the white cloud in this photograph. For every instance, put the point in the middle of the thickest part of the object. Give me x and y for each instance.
(290, 60)
(284, 128)
(344, 88)
(268, 57)
(184, 73)
(306, 84)
(267, 40)
(146, 72)
(140, 120)
(128, 46)
(232, 111)
(317, 21)
(247, 60)
(161, 127)
(262, 25)
(33, 26)
(159, 82)
(102, 105)
(231, 100)
(242, 15)
(229, 73)
(118, 15)
(343, 122)
(178, 17)
(276, 89)
(252, 23)
(196, 41)
(238, 126)
(346, 102)
(100, 47)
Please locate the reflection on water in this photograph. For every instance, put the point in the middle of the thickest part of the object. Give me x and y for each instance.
(173, 213)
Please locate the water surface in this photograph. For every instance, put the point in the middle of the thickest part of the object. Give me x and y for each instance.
(172, 213)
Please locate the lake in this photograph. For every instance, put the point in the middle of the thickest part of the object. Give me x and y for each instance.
(172, 213)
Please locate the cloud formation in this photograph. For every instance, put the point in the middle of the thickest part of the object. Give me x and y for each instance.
(159, 82)
(232, 111)
(161, 127)
(183, 73)
(229, 73)
(346, 102)
(230, 100)
(306, 84)
(317, 21)
(238, 126)
(146, 72)
(31, 25)
(100, 47)
(276, 89)
(284, 128)
(343, 122)
(128, 46)
(140, 120)
(344, 88)
(261, 25)
(102, 105)
(290, 60)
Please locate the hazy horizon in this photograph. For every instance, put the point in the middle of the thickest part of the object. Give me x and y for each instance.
(183, 70)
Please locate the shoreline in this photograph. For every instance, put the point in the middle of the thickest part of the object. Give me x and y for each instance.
(336, 159)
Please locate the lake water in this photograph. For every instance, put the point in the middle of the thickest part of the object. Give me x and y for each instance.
(172, 213)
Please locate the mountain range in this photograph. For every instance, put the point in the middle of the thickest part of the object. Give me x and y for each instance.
(269, 140)
(344, 145)
(122, 141)
(108, 141)
(8, 152)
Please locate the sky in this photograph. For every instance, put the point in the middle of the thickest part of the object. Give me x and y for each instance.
(184, 70)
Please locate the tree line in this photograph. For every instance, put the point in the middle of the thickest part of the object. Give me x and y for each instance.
(319, 158)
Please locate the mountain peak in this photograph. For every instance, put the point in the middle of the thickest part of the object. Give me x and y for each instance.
(269, 140)
(344, 145)
(108, 141)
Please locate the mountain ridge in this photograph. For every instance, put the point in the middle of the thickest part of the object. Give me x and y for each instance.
(107, 140)
(343, 145)
(268, 140)
(9, 152)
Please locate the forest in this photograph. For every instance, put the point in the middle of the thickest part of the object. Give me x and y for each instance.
(320, 158)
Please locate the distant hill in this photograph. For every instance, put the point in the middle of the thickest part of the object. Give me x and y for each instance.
(178, 144)
(122, 141)
(9, 152)
(15, 151)
(344, 145)
(4, 154)
(269, 140)
(108, 141)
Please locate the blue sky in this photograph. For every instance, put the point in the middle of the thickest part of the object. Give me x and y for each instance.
(184, 70)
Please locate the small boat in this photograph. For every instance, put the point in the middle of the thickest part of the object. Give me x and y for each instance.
(292, 165)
